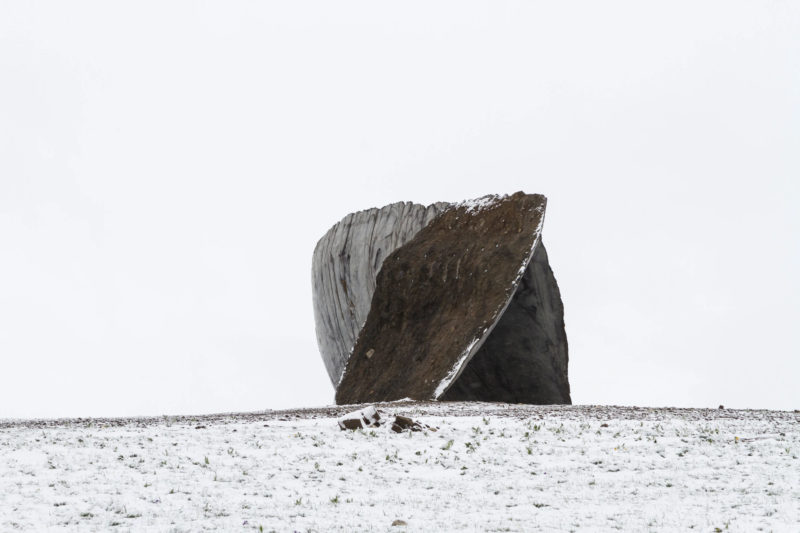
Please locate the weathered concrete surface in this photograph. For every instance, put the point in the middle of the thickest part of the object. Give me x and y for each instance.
(438, 297)
(344, 268)
(449, 301)
(524, 359)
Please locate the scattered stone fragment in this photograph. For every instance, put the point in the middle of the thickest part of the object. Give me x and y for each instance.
(399, 523)
(402, 423)
(366, 417)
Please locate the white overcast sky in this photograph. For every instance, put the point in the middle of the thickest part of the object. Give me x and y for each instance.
(166, 169)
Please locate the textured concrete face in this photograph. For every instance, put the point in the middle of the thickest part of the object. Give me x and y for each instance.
(524, 359)
(457, 302)
(344, 267)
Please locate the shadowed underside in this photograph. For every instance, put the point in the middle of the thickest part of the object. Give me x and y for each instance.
(465, 309)
(524, 359)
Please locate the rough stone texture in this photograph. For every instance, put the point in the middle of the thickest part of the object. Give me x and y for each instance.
(524, 359)
(448, 301)
(402, 423)
(345, 265)
(363, 418)
(438, 297)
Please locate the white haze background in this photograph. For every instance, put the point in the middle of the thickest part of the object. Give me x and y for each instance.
(166, 169)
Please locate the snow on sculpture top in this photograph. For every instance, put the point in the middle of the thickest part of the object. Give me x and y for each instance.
(406, 296)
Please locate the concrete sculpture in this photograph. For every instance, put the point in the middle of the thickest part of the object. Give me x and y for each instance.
(447, 302)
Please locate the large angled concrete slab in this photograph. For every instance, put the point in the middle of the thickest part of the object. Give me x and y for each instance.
(449, 301)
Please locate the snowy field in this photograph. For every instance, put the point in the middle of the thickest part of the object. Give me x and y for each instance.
(489, 467)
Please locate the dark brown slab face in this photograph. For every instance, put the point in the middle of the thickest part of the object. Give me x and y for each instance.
(437, 298)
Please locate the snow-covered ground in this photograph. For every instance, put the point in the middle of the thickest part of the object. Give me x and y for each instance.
(489, 467)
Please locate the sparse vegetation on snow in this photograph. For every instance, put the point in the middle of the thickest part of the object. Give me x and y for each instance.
(488, 467)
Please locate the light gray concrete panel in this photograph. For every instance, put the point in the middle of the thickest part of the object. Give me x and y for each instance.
(345, 264)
